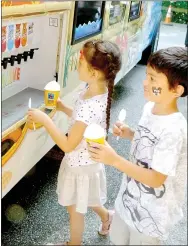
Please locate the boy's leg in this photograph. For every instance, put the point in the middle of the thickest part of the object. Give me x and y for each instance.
(119, 231)
(137, 238)
(76, 226)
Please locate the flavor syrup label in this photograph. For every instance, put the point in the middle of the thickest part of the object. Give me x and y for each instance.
(9, 76)
(10, 37)
(30, 28)
(24, 35)
(17, 35)
(4, 39)
(16, 74)
(30, 32)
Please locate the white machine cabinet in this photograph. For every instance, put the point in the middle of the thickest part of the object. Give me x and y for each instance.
(40, 40)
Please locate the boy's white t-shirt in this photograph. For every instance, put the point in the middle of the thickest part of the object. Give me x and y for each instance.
(160, 143)
(88, 111)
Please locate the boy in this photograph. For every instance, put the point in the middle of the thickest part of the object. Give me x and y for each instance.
(154, 182)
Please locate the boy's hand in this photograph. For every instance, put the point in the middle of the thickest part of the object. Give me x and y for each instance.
(121, 130)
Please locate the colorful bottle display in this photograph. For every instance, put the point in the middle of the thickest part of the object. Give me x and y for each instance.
(17, 35)
(30, 32)
(10, 44)
(24, 34)
(4, 39)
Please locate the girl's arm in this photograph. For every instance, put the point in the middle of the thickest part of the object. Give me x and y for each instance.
(66, 144)
(65, 109)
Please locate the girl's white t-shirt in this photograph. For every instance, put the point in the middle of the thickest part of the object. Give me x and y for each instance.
(88, 111)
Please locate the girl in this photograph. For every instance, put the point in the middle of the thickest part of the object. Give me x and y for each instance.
(81, 181)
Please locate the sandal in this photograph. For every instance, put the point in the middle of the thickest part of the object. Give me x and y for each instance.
(105, 226)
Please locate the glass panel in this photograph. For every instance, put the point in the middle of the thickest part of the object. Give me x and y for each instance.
(88, 19)
(117, 12)
(134, 10)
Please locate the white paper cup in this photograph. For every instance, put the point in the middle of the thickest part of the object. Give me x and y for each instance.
(51, 94)
(95, 133)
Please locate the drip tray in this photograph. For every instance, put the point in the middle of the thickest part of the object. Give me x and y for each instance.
(16, 107)
(47, 111)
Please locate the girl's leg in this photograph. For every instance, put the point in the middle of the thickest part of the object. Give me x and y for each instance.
(106, 218)
(102, 213)
(76, 226)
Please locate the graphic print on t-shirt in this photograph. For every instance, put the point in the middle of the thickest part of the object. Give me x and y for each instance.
(142, 152)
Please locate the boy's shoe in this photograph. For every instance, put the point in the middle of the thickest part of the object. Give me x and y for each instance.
(105, 226)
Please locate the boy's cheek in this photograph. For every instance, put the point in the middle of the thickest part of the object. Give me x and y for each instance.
(153, 94)
(156, 90)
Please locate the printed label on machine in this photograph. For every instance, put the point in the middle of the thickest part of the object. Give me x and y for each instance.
(10, 37)
(30, 32)
(4, 39)
(24, 34)
(17, 35)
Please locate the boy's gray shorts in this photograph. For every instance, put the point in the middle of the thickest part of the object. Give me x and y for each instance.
(122, 234)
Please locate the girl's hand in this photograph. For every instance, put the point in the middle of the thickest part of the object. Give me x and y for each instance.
(122, 130)
(60, 106)
(102, 153)
(37, 116)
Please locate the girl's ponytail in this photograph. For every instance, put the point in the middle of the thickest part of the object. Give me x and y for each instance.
(109, 103)
(106, 57)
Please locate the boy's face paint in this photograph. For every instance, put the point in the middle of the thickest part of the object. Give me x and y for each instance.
(156, 91)
(156, 87)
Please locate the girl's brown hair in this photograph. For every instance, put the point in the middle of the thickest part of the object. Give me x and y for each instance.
(106, 57)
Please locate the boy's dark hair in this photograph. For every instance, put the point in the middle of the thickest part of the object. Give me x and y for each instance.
(173, 62)
(106, 57)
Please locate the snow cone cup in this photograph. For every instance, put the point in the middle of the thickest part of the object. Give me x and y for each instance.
(95, 133)
(51, 94)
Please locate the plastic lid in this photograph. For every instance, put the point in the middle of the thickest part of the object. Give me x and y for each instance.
(52, 86)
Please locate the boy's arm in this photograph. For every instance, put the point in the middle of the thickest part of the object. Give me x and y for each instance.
(123, 131)
(131, 134)
(148, 177)
(165, 158)
(106, 155)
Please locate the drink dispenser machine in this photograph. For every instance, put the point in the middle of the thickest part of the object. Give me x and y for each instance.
(31, 46)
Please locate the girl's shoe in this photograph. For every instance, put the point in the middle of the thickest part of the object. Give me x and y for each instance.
(105, 226)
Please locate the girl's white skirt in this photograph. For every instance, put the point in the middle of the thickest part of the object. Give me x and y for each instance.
(83, 186)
